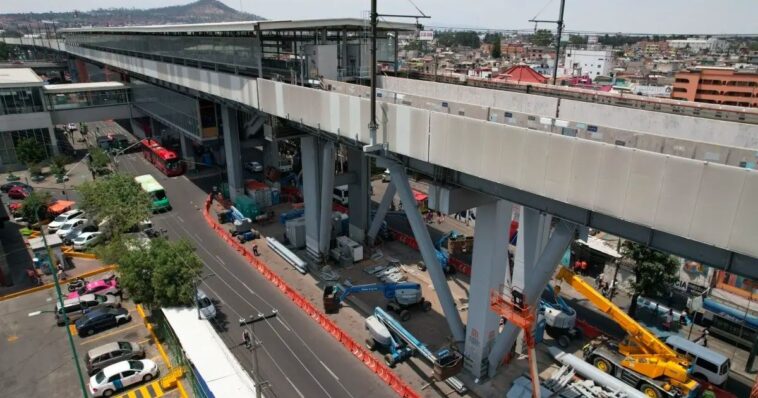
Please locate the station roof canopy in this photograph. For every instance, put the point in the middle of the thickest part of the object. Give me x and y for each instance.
(79, 87)
(350, 24)
(19, 77)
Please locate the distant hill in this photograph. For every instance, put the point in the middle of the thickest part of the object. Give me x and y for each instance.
(200, 11)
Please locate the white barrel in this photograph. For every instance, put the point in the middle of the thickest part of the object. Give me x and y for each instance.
(598, 376)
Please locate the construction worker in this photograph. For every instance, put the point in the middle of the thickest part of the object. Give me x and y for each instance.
(255, 250)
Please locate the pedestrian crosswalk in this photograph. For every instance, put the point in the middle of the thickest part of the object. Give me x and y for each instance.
(150, 390)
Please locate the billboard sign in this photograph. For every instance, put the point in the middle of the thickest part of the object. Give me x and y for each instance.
(426, 35)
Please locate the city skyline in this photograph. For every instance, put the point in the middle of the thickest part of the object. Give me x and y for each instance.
(622, 16)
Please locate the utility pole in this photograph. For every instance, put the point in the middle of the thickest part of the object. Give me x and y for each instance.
(559, 22)
(65, 317)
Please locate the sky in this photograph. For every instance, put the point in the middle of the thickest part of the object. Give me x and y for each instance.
(629, 16)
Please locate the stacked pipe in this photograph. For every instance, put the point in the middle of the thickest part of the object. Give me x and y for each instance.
(287, 255)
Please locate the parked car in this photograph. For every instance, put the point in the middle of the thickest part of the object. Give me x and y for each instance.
(72, 127)
(70, 226)
(107, 285)
(19, 192)
(68, 240)
(64, 218)
(205, 305)
(118, 376)
(101, 319)
(8, 185)
(108, 354)
(254, 167)
(86, 240)
(76, 307)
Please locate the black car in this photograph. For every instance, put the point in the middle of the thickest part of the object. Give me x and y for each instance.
(9, 185)
(101, 319)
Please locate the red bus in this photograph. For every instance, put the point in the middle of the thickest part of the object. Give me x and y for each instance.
(163, 159)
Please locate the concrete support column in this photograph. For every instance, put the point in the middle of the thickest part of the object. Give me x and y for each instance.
(538, 277)
(311, 189)
(232, 151)
(53, 141)
(535, 227)
(327, 186)
(381, 212)
(270, 147)
(489, 264)
(153, 131)
(359, 197)
(428, 253)
(187, 153)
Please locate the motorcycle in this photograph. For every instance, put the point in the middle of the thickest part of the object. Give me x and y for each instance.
(76, 284)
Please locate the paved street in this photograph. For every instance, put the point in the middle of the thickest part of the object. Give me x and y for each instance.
(297, 358)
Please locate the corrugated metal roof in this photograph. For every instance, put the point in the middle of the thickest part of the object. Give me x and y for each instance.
(19, 77)
(242, 26)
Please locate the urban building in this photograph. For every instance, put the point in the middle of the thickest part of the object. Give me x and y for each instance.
(717, 85)
(521, 74)
(694, 45)
(592, 63)
(23, 114)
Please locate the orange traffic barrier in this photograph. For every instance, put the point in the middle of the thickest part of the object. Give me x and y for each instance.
(361, 353)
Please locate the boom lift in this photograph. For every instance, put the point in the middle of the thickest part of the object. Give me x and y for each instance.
(400, 344)
(401, 296)
(560, 318)
(442, 254)
(641, 360)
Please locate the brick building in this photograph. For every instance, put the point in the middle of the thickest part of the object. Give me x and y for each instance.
(717, 85)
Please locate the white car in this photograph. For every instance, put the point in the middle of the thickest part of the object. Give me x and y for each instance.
(253, 167)
(86, 240)
(71, 226)
(120, 375)
(72, 127)
(64, 218)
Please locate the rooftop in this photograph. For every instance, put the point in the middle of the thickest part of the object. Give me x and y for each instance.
(19, 77)
(353, 24)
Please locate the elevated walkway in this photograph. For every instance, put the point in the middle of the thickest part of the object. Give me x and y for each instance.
(694, 208)
(87, 102)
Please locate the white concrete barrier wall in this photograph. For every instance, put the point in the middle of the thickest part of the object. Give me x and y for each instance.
(731, 134)
(710, 203)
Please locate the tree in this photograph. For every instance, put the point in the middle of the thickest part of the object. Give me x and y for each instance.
(452, 39)
(542, 37)
(117, 198)
(34, 207)
(58, 166)
(29, 152)
(162, 274)
(490, 38)
(654, 272)
(5, 51)
(98, 160)
(414, 45)
(577, 40)
(496, 48)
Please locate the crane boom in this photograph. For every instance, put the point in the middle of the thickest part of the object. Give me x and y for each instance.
(646, 354)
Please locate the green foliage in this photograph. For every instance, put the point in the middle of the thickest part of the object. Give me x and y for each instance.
(161, 275)
(619, 40)
(5, 51)
(35, 169)
(416, 45)
(34, 207)
(542, 37)
(117, 198)
(577, 40)
(98, 160)
(29, 152)
(490, 38)
(654, 271)
(496, 53)
(452, 39)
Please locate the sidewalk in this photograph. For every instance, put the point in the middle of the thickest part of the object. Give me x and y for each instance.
(82, 266)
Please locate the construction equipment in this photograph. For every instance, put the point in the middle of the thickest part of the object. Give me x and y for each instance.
(401, 296)
(387, 333)
(442, 253)
(559, 317)
(512, 306)
(641, 360)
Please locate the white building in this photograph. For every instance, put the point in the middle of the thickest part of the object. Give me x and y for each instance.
(696, 45)
(592, 63)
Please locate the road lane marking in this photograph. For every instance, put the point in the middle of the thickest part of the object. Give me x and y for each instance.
(283, 324)
(109, 334)
(329, 370)
(295, 387)
(180, 218)
(219, 259)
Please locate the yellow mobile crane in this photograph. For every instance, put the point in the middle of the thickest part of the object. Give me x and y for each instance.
(641, 360)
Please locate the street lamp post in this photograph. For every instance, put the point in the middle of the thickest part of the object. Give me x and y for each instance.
(65, 317)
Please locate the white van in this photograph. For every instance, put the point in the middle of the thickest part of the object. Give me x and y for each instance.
(205, 305)
(340, 194)
(706, 364)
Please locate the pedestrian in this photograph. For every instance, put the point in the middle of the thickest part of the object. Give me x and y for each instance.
(683, 317)
(214, 193)
(255, 250)
(599, 281)
(703, 339)
(246, 338)
(667, 321)
(61, 273)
